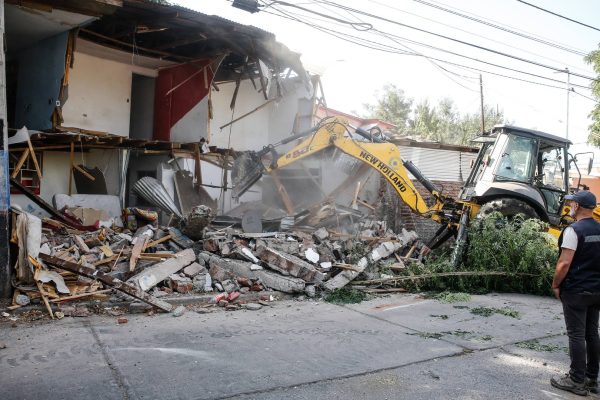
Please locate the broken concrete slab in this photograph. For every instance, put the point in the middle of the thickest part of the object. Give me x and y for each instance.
(194, 269)
(346, 276)
(151, 276)
(384, 250)
(288, 264)
(269, 279)
(312, 255)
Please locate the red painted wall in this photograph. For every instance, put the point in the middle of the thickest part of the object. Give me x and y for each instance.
(169, 108)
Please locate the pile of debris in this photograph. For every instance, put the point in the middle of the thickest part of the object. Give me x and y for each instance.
(152, 263)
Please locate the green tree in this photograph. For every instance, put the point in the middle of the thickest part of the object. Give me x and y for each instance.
(392, 106)
(594, 136)
(442, 123)
(445, 124)
(426, 121)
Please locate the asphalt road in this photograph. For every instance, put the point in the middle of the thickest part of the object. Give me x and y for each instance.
(397, 347)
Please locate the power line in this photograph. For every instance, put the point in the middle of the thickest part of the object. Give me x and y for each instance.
(502, 28)
(443, 70)
(458, 40)
(486, 62)
(559, 15)
(393, 50)
(469, 33)
(587, 97)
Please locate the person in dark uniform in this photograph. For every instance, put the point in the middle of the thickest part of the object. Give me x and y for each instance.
(577, 285)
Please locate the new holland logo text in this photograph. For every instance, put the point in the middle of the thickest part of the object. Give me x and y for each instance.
(385, 170)
(299, 152)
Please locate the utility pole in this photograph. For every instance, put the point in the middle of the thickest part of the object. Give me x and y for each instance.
(482, 108)
(5, 270)
(568, 96)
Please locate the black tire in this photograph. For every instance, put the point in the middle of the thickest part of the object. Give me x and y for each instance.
(509, 207)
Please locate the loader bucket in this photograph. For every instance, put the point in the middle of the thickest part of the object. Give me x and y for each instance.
(247, 169)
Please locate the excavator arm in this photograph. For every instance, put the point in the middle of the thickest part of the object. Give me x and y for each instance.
(383, 157)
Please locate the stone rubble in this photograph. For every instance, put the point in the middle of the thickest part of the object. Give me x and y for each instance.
(226, 264)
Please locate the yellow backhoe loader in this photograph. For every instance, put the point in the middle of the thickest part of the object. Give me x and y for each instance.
(517, 171)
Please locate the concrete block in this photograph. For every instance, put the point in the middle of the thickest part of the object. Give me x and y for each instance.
(194, 269)
(269, 279)
(321, 234)
(151, 276)
(288, 264)
(344, 277)
(180, 284)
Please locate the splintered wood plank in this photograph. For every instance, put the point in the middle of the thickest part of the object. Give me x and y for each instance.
(138, 247)
(20, 163)
(159, 241)
(34, 159)
(107, 280)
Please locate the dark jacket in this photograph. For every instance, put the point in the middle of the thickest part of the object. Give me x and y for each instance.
(584, 272)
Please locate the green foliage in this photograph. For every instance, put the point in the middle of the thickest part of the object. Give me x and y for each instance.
(518, 246)
(537, 346)
(392, 106)
(346, 296)
(489, 311)
(441, 123)
(452, 297)
(519, 249)
(594, 135)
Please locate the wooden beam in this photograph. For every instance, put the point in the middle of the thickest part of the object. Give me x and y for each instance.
(197, 166)
(262, 80)
(78, 296)
(130, 45)
(285, 197)
(107, 280)
(34, 158)
(20, 163)
(138, 247)
(45, 206)
(158, 241)
(84, 172)
(248, 113)
(72, 162)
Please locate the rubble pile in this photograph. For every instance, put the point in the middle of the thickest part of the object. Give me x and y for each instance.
(154, 264)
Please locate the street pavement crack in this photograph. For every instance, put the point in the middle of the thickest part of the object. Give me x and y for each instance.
(464, 351)
(117, 375)
(337, 378)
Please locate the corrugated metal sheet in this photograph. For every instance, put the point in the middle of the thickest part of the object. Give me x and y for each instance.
(155, 193)
(437, 164)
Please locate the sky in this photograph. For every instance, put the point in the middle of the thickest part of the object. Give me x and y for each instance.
(352, 74)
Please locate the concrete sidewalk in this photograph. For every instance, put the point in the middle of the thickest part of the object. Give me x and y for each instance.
(397, 347)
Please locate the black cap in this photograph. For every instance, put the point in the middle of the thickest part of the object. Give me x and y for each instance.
(584, 198)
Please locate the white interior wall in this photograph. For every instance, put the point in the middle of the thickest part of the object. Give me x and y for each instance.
(251, 132)
(99, 94)
(283, 112)
(55, 172)
(193, 125)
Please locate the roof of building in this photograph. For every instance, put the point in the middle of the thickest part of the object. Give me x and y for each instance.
(175, 33)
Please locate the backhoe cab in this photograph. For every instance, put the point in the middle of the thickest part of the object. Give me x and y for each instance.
(519, 171)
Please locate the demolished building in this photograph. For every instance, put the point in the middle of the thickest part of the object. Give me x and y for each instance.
(124, 119)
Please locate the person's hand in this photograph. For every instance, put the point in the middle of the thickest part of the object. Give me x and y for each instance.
(556, 292)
